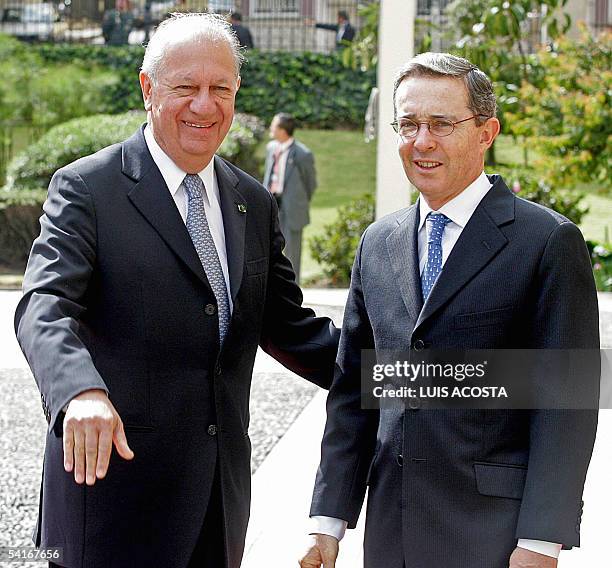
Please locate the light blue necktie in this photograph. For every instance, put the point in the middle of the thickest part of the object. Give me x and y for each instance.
(437, 222)
(199, 231)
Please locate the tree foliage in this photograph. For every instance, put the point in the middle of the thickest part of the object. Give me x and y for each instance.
(495, 36)
(567, 116)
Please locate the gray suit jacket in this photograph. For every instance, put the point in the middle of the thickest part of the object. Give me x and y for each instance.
(299, 185)
(457, 488)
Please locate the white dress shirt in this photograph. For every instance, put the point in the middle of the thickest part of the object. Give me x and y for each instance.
(174, 176)
(459, 210)
(282, 164)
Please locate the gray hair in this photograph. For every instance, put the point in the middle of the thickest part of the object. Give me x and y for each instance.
(185, 28)
(481, 98)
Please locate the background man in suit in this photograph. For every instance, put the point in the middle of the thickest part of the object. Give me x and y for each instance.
(243, 33)
(157, 273)
(291, 177)
(345, 32)
(469, 266)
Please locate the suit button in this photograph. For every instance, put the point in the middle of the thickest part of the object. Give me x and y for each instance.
(400, 460)
(218, 369)
(212, 430)
(414, 404)
(210, 309)
(418, 345)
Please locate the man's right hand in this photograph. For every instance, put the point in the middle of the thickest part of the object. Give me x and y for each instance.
(91, 427)
(323, 550)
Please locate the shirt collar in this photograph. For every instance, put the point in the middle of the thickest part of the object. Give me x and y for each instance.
(282, 146)
(461, 207)
(172, 174)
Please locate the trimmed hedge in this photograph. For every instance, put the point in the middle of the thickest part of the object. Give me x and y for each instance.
(316, 88)
(30, 172)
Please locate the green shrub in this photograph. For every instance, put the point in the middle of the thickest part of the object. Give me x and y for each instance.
(33, 168)
(30, 172)
(601, 258)
(317, 88)
(527, 184)
(335, 248)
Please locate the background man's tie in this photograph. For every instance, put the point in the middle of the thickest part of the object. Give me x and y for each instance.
(197, 225)
(275, 177)
(437, 222)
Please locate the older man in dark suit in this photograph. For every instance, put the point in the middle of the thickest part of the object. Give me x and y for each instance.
(157, 273)
(469, 266)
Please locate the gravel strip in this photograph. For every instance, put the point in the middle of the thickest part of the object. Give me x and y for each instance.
(277, 398)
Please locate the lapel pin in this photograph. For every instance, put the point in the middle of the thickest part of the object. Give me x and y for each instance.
(241, 207)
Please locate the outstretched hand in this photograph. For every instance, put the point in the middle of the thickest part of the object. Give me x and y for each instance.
(91, 427)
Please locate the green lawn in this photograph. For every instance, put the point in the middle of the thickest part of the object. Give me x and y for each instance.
(346, 168)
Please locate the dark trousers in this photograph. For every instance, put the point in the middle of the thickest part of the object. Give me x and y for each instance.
(210, 550)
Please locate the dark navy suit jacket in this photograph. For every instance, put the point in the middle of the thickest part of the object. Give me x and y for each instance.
(457, 488)
(116, 298)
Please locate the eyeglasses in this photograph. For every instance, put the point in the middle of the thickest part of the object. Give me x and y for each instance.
(407, 128)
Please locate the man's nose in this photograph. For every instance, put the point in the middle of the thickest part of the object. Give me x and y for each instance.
(203, 102)
(424, 140)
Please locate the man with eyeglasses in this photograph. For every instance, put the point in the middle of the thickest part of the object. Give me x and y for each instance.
(469, 266)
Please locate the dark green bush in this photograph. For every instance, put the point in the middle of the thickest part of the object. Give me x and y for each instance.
(335, 248)
(601, 258)
(316, 88)
(30, 172)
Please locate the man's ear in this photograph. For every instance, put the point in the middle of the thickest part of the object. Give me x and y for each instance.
(239, 80)
(147, 90)
(489, 132)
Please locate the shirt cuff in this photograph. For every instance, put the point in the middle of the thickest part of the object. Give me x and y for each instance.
(541, 547)
(327, 525)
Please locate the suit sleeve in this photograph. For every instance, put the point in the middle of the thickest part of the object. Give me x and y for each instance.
(349, 440)
(268, 165)
(48, 317)
(561, 441)
(330, 27)
(305, 344)
(309, 174)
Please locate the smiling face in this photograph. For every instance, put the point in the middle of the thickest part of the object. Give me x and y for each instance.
(441, 167)
(191, 105)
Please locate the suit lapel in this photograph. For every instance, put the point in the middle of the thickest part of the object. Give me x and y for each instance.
(234, 210)
(403, 253)
(151, 197)
(480, 241)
